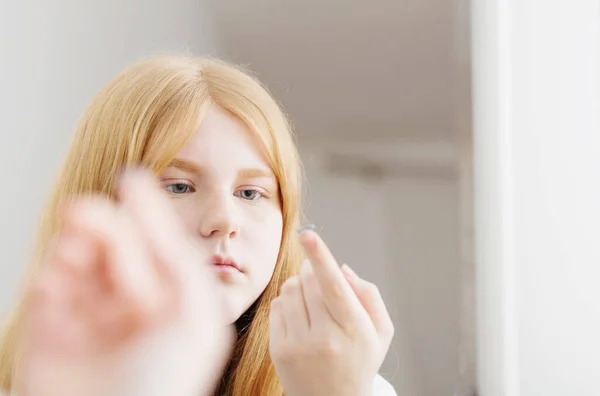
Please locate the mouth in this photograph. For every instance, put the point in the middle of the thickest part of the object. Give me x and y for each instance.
(225, 264)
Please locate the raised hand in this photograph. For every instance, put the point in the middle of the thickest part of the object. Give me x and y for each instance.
(124, 305)
(329, 329)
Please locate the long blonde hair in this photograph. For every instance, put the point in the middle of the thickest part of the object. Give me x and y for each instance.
(145, 116)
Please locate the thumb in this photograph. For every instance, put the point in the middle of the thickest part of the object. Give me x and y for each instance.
(370, 298)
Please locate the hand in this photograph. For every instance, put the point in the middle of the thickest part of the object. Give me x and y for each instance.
(330, 330)
(124, 305)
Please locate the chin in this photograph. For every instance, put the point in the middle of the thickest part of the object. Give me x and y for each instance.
(238, 313)
(237, 302)
(234, 312)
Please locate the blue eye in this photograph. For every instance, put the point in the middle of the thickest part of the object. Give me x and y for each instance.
(179, 188)
(249, 194)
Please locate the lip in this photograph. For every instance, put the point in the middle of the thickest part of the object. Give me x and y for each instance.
(225, 262)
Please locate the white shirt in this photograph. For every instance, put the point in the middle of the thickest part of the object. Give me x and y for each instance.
(383, 388)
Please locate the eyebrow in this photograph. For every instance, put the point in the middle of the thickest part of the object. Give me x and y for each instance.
(186, 166)
(247, 173)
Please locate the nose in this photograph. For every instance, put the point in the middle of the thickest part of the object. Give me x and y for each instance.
(219, 219)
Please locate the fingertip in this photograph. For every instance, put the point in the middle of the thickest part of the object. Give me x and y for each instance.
(290, 285)
(75, 212)
(350, 274)
(308, 238)
(66, 209)
(277, 326)
(44, 289)
(275, 304)
(76, 253)
(131, 172)
(38, 289)
(134, 176)
(86, 213)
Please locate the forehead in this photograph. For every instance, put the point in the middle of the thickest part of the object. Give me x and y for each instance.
(223, 138)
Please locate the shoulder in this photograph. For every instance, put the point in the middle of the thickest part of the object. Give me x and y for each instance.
(381, 387)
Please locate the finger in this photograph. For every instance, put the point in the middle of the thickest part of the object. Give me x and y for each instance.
(370, 298)
(55, 342)
(126, 260)
(74, 256)
(113, 324)
(179, 259)
(339, 298)
(317, 311)
(108, 317)
(47, 336)
(277, 327)
(53, 328)
(294, 308)
(146, 201)
(74, 252)
(46, 312)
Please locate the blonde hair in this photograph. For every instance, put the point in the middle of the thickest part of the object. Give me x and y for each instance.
(145, 116)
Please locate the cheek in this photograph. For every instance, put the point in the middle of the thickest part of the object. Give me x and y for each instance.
(264, 239)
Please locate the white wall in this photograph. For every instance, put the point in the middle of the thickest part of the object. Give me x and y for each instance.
(537, 164)
(54, 56)
(401, 233)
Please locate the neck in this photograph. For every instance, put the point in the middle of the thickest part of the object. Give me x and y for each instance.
(241, 325)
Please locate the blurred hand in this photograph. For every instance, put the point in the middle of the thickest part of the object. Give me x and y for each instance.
(330, 330)
(124, 305)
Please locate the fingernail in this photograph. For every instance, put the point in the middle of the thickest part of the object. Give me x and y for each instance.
(350, 274)
(310, 227)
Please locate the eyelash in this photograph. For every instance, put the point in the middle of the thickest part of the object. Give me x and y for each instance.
(260, 194)
(187, 186)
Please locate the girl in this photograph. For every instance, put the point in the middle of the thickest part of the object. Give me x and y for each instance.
(131, 292)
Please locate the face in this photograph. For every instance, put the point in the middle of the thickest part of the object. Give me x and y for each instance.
(228, 197)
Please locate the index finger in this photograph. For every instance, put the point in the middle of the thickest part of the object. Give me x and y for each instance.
(340, 299)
